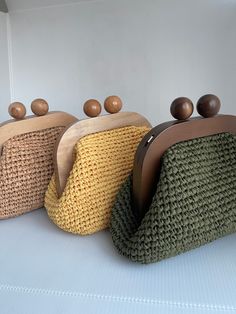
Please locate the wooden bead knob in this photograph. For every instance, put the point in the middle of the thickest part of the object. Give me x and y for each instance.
(113, 104)
(181, 108)
(17, 110)
(92, 108)
(39, 107)
(208, 105)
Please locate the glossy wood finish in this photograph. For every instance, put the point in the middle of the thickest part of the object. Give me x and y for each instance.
(181, 108)
(92, 108)
(113, 104)
(208, 105)
(12, 128)
(63, 157)
(148, 156)
(39, 107)
(17, 110)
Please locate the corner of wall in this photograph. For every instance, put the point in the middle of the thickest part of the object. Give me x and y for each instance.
(5, 95)
(9, 50)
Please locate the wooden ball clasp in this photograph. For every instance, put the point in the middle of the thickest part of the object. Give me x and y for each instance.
(39, 107)
(181, 108)
(17, 110)
(92, 108)
(208, 105)
(113, 104)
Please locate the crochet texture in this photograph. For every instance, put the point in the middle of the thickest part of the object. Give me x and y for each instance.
(26, 168)
(194, 203)
(102, 162)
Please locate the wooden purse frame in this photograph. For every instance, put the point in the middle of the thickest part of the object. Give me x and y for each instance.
(33, 123)
(147, 161)
(63, 154)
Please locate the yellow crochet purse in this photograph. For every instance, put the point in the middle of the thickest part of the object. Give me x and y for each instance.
(92, 160)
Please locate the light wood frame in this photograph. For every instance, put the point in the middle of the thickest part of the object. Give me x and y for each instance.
(63, 155)
(13, 127)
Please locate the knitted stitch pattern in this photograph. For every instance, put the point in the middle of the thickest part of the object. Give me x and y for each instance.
(102, 162)
(194, 203)
(26, 168)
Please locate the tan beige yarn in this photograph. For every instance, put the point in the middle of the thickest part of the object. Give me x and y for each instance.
(102, 163)
(25, 170)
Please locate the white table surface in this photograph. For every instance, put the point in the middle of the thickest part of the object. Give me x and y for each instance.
(45, 270)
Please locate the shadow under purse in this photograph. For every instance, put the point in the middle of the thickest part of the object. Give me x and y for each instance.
(26, 149)
(183, 190)
(92, 159)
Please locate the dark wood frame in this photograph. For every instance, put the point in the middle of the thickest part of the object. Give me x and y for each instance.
(147, 160)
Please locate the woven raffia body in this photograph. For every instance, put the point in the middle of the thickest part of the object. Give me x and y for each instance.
(102, 163)
(195, 202)
(25, 170)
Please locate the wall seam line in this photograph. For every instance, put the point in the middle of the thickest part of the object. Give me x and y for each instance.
(9, 52)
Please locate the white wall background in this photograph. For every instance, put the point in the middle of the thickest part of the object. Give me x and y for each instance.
(146, 51)
(4, 69)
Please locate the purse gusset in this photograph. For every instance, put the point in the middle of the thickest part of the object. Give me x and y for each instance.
(194, 203)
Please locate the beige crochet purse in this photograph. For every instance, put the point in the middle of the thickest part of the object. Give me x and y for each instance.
(26, 148)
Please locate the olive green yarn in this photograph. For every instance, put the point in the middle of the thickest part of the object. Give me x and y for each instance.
(195, 202)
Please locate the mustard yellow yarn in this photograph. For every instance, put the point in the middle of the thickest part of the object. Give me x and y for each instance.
(103, 161)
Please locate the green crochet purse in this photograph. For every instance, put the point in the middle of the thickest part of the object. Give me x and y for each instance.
(194, 202)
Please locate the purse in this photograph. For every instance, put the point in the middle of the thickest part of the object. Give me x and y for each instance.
(26, 147)
(92, 160)
(182, 193)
